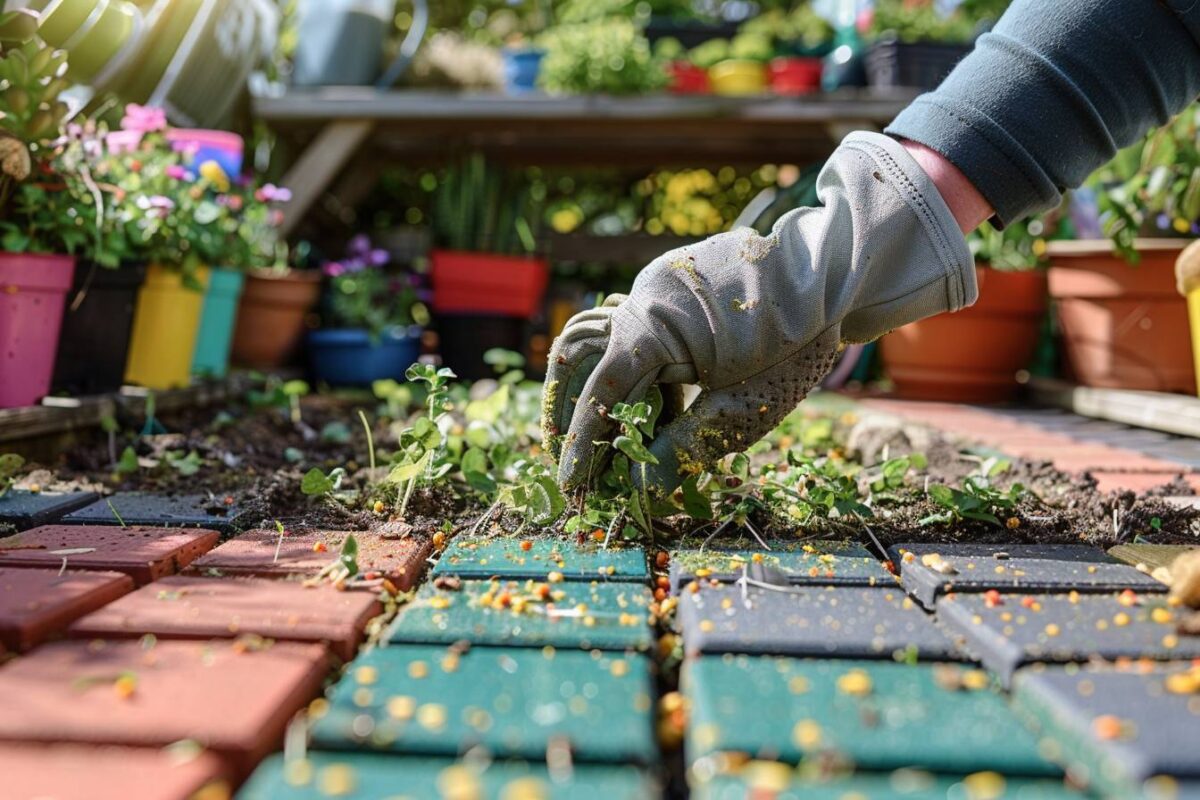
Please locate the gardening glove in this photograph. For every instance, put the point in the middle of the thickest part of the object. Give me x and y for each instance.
(757, 321)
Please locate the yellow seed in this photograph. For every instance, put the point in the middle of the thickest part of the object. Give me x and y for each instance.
(418, 669)
(366, 675)
(1183, 683)
(806, 734)
(337, 780)
(855, 683)
(1161, 615)
(379, 507)
(985, 786)
(975, 679)
(1052, 630)
(432, 717)
(619, 668)
(125, 686)
(363, 697)
(1121, 619)
(555, 577)
(401, 707)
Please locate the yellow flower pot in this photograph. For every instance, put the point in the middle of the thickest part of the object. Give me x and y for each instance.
(1193, 301)
(165, 325)
(738, 77)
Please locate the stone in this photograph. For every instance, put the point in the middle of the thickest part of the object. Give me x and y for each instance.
(513, 702)
(1008, 631)
(934, 570)
(73, 772)
(303, 554)
(1185, 579)
(143, 553)
(22, 509)
(369, 776)
(183, 607)
(869, 714)
(813, 563)
(537, 558)
(604, 616)
(36, 604)
(821, 622)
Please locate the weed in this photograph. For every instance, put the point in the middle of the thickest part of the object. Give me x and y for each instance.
(10, 465)
(978, 498)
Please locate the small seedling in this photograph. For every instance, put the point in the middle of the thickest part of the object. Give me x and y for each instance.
(978, 499)
(343, 567)
(115, 514)
(279, 544)
(370, 439)
(10, 465)
(317, 484)
(185, 465)
(295, 391)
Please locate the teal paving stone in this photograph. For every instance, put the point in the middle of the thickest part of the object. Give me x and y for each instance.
(1009, 631)
(171, 511)
(872, 715)
(506, 557)
(780, 782)
(364, 776)
(607, 616)
(515, 703)
(1118, 731)
(939, 569)
(817, 563)
(841, 622)
(22, 510)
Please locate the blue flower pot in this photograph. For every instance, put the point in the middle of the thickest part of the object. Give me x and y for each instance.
(521, 68)
(349, 357)
(213, 343)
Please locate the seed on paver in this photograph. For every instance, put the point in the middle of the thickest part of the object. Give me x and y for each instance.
(1072, 596)
(418, 669)
(985, 786)
(798, 684)
(298, 772)
(807, 734)
(992, 598)
(1184, 682)
(337, 780)
(555, 577)
(318, 708)
(125, 686)
(450, 662)
(439, 541)
(662, 559)
(1052, 630)
(379, 507)
(855, 683)
(1161, 615)
(432, 717)
(320, 547)
(1121, 619)
(1127, 598)
(363, 697)
(1108, 727)
(401, 707)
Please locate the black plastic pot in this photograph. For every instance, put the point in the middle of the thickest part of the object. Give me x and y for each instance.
(690, 33)
(892, 64)
(464, 338)
(96, 327)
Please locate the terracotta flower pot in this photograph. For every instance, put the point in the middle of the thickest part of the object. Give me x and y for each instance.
(270, 323)
(971, 356)
(1123, 326)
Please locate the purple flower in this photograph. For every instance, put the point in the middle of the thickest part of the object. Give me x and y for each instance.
(334, 269)
(1195, 228)
(143, 119)
(270, 193)
(176, 173)
(1162, 221)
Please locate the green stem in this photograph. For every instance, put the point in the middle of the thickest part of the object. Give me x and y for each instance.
(370, 438)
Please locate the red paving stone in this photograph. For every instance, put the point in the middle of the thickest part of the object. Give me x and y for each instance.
(35, 604)
(145, 554)
(402, 561)
(233, 700)
(1138, 481)
(183, 607)
(71, 772)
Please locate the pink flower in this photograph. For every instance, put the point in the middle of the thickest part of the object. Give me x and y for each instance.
(334, 270)
(155, 205)
(176, 173)
(276, 217)
(143, 119)
(271, 193)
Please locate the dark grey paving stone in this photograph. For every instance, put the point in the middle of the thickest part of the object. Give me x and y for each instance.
(1118, 730)
(1185, 452)
(1019, 630)
(818, 563)
(23, 510)
(177, 511)
(777, 782)
(807, 621)
(939, 569)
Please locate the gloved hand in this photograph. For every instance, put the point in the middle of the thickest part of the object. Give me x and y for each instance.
(758, 321)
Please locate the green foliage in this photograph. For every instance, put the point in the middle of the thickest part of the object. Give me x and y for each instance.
(1020, 246)
(481, 207)
(921, 22)
(421, 455)
(978, 499)
(10, 467)
(603, 56)
(317, 484)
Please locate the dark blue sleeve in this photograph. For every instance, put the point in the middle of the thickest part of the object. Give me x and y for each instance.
(1054, 90)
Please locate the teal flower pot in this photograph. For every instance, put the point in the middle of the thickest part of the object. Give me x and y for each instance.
(217, 322)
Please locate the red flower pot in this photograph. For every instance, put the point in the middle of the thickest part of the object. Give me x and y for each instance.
(33, 291)
(687, 78)
(485, 283)
(795, 75)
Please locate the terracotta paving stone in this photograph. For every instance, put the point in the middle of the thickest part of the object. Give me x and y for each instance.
(512, 702)
(1025, 629)
(513, 557)
(813, 563)
(1116, 730)
(966, 567)
(1138, 481)
(904, 783)
(365, 776)
(402, 561)
(36, 604)
(232, 699)
(72, 772)
(605, 616)
(844, 622)
(22, 509)
(182, 607)
(143, 553)
(172, 511)
(875, 715)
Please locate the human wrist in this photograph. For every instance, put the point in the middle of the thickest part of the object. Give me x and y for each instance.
(968, 206)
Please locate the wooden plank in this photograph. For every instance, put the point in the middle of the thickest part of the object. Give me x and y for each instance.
(319, 165)
(1170, 413)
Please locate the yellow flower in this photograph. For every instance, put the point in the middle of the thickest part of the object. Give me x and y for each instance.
(212, 172)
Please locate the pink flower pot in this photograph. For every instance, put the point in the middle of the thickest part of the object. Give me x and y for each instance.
(33, 291)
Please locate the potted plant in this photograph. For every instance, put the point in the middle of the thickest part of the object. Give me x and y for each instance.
(800, 38)
(608, 55)
(974, 355)
(683, 76)
(743, 71)
(369, 321)
(41, 228)
(916, 44)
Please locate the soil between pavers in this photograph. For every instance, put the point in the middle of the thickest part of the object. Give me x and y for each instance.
(36, 604)
(143, 553)
(182, 607)
(75, 772)
(231, 699)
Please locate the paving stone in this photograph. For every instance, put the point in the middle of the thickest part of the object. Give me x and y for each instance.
(303, 554)
(507, 557)
(143, 553)
(36, 604)
(72, 772)
(876, 715)
(814, 563)
(1064, 628)
(21, 509)
(210, 608)
(1117, 729)
(1148, 557)
(1019, 568)
(515, 703)
(842, 621)
(172, 511)
(605, 616)
(1119, 481)
(365, 776)
(233, 699)
(780, 782)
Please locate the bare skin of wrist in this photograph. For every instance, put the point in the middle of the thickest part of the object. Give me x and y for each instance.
(966, 203)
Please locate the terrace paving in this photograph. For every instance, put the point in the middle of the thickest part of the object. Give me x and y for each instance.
(173, 511)
(811, 563)
(36, 604)
(512, 557)
(20, 509)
